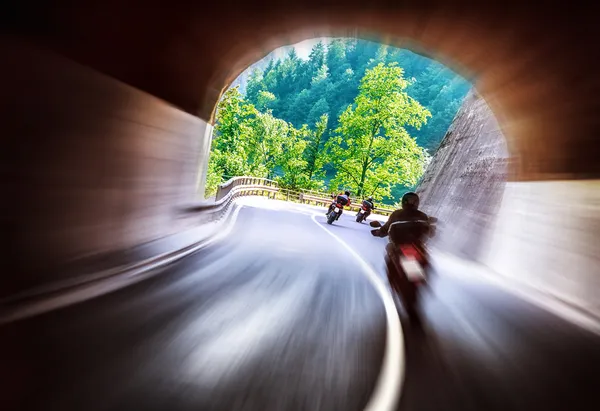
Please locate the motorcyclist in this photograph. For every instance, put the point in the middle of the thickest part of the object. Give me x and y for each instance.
(368, 204)
(409, 212)
(416, 235)
(342, 199)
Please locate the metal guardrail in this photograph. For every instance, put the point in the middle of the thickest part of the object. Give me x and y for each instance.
(224, 189)
(207, 211)
(245, 185)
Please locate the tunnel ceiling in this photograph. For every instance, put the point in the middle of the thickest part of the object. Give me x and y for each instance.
(536, 66)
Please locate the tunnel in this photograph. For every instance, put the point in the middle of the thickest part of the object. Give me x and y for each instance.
(109, 108)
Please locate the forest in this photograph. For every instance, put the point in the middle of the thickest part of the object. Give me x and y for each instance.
(354, 115)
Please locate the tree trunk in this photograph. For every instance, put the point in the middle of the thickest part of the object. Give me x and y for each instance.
(365, 166)
(363, 176)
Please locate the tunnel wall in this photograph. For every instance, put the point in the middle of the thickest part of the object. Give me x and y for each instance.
(541, 235)
(546, 238)
(90, 165)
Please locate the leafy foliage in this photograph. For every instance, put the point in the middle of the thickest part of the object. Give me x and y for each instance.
(315, 154)
(372, 149)
(355, 114)
(292, 162)
(328, 82)
(234, 130)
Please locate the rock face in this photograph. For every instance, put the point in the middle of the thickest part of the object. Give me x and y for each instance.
(524, 231)
(464, 183)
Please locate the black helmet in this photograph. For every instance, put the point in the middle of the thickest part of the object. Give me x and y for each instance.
(370, 198)
(347, 193)
(410, 200)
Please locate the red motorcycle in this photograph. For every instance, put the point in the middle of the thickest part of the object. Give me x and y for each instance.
(407, 260)
(335, 209)
(362, 214)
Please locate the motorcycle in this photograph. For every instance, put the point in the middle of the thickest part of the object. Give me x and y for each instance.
(407, 260)
(362, 213)
(335, 212)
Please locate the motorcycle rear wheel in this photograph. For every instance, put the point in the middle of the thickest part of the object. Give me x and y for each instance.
(331, 218)
(406, 290)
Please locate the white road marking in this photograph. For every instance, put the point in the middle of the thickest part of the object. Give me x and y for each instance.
(389, 383)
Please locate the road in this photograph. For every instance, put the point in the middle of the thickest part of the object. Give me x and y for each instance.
(279, 316)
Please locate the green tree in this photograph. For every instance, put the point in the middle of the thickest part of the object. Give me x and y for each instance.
(234, 128)
(336, 57)
(317, 111)
(299, 92)
(314, 66)
(265, 144)
(372, 150)
(264, 100)
(214, 175)
(291, 161)
(441, 92)
(255, 85)
(286, 87)
(334, 73)
(315, 152)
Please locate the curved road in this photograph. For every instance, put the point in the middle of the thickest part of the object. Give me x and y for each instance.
(279, 316)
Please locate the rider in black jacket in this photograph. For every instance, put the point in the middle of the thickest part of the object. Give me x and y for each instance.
(343, 199)
(409, 212)
(368, 203)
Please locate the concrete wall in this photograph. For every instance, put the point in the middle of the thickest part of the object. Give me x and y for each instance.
(90, 165)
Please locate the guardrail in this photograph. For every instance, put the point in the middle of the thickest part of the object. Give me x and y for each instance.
(255, 183)
(226, 192)
(244, 185)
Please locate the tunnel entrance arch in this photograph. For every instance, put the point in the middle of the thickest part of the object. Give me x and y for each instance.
(519, 59)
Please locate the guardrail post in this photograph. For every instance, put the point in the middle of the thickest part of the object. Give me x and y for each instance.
(218, 194)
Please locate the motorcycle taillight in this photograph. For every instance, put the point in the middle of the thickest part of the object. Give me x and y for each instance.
(409, 250)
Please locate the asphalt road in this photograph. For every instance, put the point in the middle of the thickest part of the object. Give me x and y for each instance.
(278, 316)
